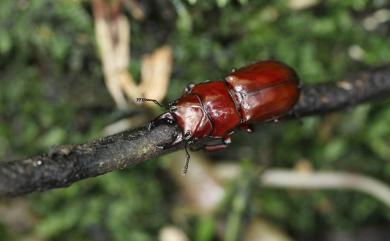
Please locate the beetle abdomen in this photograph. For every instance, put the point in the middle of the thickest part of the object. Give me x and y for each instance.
(264, 90)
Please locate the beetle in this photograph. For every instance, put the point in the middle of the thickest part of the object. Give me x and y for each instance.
(257, 93)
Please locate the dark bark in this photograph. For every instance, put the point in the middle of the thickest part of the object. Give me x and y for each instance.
(333, 96)
(69, 163)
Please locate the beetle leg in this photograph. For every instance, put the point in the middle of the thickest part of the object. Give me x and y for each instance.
(188, 88)
(188, 140)
(247, 127)
(217, 147)
(185, 169)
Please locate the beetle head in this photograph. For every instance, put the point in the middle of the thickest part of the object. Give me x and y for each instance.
(191, 117)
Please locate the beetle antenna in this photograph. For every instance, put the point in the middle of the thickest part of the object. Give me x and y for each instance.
(141, 100)
(185, 169)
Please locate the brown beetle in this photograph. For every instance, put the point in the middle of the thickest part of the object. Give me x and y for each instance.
(256, 93)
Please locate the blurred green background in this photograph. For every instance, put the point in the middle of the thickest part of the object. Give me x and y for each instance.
(52, 92)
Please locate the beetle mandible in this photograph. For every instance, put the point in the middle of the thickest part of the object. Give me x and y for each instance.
(257, 93)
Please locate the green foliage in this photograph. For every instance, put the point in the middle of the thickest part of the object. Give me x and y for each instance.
(113, 203)
(205, 230)
(50, 73)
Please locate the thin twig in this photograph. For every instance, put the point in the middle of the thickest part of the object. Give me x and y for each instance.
(332, 96)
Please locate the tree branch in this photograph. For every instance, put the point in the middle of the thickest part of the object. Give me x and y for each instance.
(70, 163)
(67, 164)
(331, 96)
